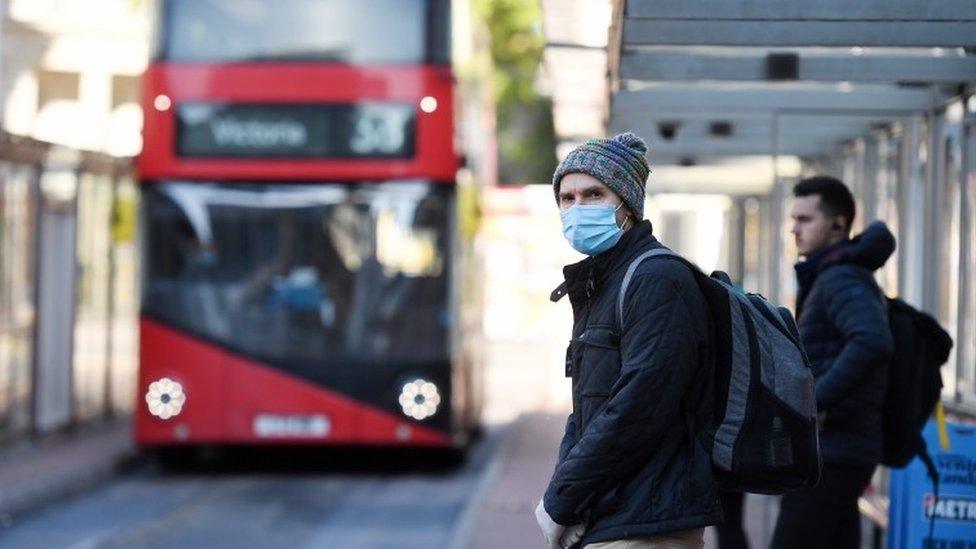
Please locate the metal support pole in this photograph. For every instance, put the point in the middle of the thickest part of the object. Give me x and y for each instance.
(869, 187)
(776, 217)
(966, 315)
(3, 96)
(933, 194)
(38, 211)
(737, 240)
(108, 408)
(909, 232)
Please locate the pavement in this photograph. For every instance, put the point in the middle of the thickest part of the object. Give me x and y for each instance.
(498, 498)
(38, 472)
(522, 468)
(295, 498)
(504, 513)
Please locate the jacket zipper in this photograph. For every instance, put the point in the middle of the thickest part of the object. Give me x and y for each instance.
(577, 398)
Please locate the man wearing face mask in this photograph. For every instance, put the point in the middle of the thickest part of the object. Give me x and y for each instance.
(631, 472)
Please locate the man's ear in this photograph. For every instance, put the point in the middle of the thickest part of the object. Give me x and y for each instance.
(629, 214)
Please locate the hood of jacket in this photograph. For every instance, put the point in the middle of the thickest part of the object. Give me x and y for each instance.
(869, 250)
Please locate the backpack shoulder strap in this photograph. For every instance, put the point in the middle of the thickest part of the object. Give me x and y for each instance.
(656, 252)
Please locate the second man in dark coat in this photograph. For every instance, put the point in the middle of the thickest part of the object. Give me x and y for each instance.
(842, 319)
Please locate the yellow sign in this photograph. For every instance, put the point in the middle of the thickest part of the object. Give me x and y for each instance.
(124, 218)
(469, 210)
(940, 420)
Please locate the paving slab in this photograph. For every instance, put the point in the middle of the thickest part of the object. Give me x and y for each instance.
(38, 472)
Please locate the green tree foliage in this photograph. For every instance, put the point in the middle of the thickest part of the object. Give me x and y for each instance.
(526, 139)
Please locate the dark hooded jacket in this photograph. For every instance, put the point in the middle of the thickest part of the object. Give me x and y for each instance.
(630, 463)
(843, 322)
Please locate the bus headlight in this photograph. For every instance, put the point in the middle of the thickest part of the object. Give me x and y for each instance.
(419, 399)
(165, 398)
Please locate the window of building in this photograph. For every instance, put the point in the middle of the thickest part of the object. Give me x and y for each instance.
(53, 86)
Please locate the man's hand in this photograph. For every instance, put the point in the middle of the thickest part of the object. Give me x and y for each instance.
(557, 535)
(553, 532)
(572, 536)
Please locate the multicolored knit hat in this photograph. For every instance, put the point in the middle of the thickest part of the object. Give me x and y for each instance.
(618, 162)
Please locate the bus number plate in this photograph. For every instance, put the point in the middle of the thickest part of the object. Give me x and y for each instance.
(282, 426)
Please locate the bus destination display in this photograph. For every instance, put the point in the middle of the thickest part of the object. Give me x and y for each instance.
(362, 130)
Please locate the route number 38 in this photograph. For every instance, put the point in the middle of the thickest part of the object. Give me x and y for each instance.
(379, 129)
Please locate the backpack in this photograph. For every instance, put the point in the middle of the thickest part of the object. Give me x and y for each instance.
(921, 347)
(762, 435)
(914, 381)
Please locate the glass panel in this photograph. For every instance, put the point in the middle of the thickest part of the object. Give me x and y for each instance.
(767, 228)
(888, 162)
(18, 197)
(752, 246)
(853, 159)
(365, 31)
(125, 304)
(946, 236)
(304, 276)
(90, 358)
(911, 235)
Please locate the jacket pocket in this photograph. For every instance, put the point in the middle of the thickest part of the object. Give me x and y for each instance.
(607, 504)
(599, 368)
(599, 361)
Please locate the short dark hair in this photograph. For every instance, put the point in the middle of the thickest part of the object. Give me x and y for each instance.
(835, 198)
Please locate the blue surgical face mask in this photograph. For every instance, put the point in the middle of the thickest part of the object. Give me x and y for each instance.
(591, 229)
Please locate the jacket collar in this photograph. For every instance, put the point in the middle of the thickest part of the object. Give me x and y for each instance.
(807, 270)
(584, 278)
(869, 250)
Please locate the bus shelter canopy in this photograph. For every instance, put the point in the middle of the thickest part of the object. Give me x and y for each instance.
(720, 84)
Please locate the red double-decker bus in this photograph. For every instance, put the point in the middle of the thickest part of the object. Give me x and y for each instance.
(306, 278)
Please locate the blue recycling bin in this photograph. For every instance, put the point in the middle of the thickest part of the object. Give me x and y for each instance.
(913, 504)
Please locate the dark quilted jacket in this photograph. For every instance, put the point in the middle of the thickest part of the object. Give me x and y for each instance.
(630, 464)
(842, 318)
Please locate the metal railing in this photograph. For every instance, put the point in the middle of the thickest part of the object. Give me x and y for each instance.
(67, 318)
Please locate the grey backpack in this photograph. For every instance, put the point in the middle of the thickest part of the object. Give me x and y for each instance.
(762, 433)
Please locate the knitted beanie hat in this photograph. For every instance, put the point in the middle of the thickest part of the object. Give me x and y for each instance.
(618, 162)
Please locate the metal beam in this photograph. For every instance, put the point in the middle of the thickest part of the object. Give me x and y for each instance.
(733, 163)
(691, 147)
(826, 10)
(753, 129)
(676, 65)
(733, 179)
(659, 157)
(674, 99)
(686, 32)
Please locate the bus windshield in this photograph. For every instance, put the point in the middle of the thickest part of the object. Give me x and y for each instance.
(314, 276)
(364, 31)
